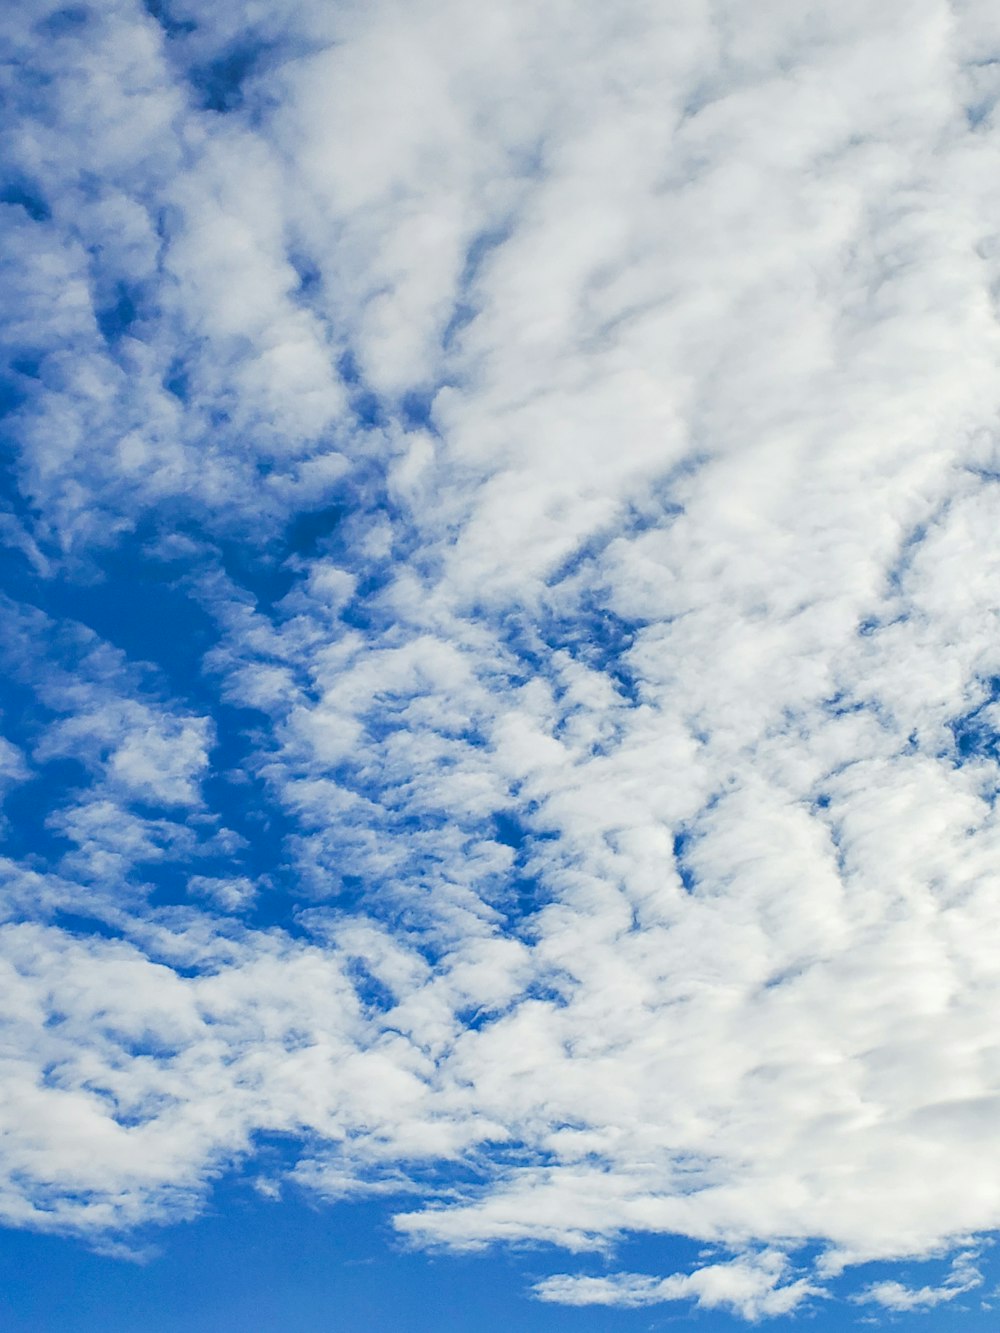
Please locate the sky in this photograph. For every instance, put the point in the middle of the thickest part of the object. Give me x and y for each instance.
(500, 665)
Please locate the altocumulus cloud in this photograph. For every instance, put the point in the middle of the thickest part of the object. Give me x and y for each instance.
(502, 531)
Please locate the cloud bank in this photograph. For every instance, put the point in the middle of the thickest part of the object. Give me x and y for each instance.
(503, 682)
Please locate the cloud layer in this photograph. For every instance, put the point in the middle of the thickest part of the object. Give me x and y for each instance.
(501, 635)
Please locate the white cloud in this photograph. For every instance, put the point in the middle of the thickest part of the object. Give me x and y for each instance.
(230, 894)
(142, 748)
(13, 768)
(890, 1295)
(623, 383)
(750, 1287)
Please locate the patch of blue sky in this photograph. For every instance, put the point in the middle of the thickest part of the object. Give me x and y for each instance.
(465, 299)
(163, 12)
(151, 620)
(368, 410)
(523, 890)
(119, 312)
(977, 732)
(591, 633)
(268, 1263)
(67, 20)
(219, 84)
(681, 851)
(80, 924)
(252, 1262)
(22, 193)
(250, 545)
(225, 60)
(143, 599)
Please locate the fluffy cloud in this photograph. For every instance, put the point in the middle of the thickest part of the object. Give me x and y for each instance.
(748, 1287)
(556, 728)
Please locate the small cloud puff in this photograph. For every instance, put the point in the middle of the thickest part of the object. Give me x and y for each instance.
(964, 1277)
(231, 894)
(750, 1286)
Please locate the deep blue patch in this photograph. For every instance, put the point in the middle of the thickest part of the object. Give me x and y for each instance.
(347, 369)
(310, 277)
(12, 395)
(62, 22)
(89, 927)
(525, 896)
(259, 572)
(840, 704)
(167, 879)
(255, 1264)
(373, 993)
(28, 366)
(220, 84)
(145, 608)
(367, 409)
(681, 847)
(21, 194)
(415, 409)
(520, 893)
(27, 835)
(365, 404)
(160, 11)
(177, 380)
(116, 317)
(361, 614)
(309, 533)
(509, 830)
(975, 735)
(350, 893)
(975, 739)
(139, 605)
(599, 639)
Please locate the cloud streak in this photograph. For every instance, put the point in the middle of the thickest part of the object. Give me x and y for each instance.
(747, 1287)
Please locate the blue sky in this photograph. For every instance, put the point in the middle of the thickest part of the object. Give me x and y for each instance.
(499, 682)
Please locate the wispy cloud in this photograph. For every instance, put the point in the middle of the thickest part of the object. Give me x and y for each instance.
(895, 1296)
(749, 1286)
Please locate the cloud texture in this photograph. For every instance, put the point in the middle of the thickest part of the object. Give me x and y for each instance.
(502, 627)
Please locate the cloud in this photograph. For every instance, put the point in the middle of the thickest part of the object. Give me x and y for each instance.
(748, 1287)
(229, 894)
(891, 1295)
(501, 644)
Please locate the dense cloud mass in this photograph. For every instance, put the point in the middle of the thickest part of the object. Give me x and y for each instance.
(502, 654)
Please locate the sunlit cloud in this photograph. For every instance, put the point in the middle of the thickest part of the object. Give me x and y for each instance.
(501, 656)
